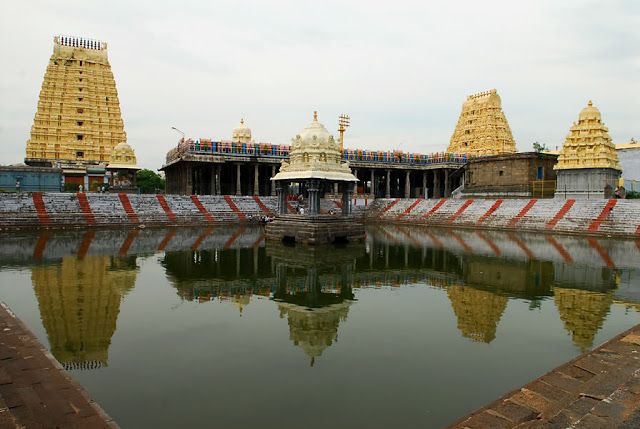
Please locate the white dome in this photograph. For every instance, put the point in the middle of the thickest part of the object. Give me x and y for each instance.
(242, 133)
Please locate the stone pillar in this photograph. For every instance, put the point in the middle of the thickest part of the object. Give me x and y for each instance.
(188, 190)
(373, 181)
(447, 184)
(256, 179)
(238, 182)
(212, 186)
(355, 173)
(273, 183)
(335, 188)
(218, 180)
(346, 198)
(387, 193)
(407, 184)
(314, 200)
(424, 185)
(282, 188)
(436, 184)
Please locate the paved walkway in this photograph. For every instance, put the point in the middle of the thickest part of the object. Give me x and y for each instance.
(599, 389)
(35, 391)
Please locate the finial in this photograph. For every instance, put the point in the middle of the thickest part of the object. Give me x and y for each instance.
(241, 120)
(590, 103)
(315, 116)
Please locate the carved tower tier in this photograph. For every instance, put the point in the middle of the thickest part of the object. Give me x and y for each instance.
(482, 128)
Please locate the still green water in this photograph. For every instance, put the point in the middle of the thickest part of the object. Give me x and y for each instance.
(216, 328)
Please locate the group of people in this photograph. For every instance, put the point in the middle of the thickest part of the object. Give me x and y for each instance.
(261, 218)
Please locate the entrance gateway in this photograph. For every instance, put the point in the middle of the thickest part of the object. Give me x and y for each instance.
(315, 165)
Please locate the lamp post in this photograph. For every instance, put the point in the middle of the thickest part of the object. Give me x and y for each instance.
(175, 129)
(343, 123)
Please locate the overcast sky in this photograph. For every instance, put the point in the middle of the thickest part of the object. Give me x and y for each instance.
(401, 69)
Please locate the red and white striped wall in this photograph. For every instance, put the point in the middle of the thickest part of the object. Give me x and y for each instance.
(608, 217)
(88, 209)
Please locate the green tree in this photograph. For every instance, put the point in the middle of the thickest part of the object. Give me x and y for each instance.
(539, 148)
(149, 181)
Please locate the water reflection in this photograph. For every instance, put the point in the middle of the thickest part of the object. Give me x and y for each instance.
(314, 291)
(80, 278)
(79, 301)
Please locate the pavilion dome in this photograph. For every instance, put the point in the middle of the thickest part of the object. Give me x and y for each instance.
(123, 156)
(315, 155)
(242, 133)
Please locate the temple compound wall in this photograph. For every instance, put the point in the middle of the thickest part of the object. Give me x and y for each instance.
(517, 175)
(629, 155)
(21, 178)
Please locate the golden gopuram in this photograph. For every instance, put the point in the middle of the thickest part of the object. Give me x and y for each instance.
(78, 121)
(588, 164)
(482, 128)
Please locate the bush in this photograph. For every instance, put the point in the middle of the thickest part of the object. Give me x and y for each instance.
(633, 195)
(71, 187)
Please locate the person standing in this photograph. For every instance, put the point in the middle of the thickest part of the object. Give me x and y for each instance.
(18, 186)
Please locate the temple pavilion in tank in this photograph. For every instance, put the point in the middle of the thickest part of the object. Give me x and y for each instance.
(315, 166)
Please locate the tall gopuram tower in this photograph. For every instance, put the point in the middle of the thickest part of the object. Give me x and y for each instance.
(78, 121)
(588, 164)
(482, 128)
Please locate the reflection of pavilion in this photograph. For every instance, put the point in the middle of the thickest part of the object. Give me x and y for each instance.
(79, 303)
(314, 313)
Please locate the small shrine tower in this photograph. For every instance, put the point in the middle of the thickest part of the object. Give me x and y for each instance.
(482, 128)
(588, 165)
(241, 133)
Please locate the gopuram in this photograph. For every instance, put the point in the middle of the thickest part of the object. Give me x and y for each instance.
(78, 121)
(315, 165)
(482, 128)
(588, 165)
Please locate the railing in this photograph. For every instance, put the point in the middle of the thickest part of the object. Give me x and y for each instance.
(205, 146)
(543, 188)
(398, 157)
(209, 147)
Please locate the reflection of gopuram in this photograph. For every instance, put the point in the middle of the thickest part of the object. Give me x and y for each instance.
(79, 302)
(478, 312)
(314, 291)
(582, 313)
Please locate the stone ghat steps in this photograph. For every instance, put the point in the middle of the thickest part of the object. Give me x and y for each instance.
(607, 217)
(80, 210)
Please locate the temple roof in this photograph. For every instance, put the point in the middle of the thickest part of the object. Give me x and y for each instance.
(315, 155)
